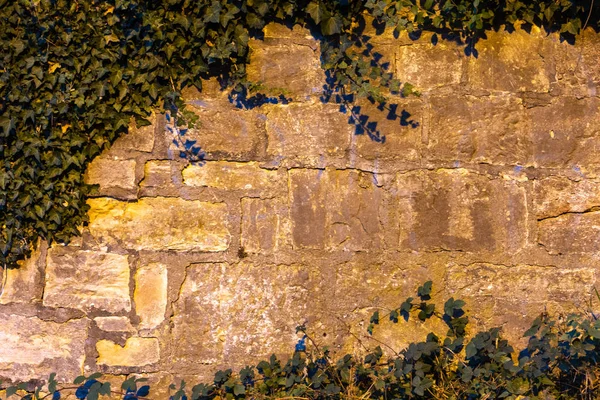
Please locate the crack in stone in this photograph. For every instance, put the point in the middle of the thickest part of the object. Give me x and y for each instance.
(586, 211)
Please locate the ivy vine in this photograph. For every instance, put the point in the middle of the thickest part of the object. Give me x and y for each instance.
(74, 73)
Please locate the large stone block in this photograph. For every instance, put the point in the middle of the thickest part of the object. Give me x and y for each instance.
(234, 315)
(25, 284)
(160, 223)
(500, 65)
(32, 348)
(522, 283)
(455, 209)
(111, 173)
(224, 131)
(290, 67)
(138, 138)
(263, 225)
(335, 209)
(395, 134)
(570, 233)
(566, 133)
(307, 134)
(558, 195)
(428, 65)
(492, 130)
(150, 294)
(137, 352)
(230, 176)
(87, 280)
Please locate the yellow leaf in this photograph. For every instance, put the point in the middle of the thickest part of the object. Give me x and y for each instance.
(110, 10)
(65, 127)
(111, 38)
(53, 67)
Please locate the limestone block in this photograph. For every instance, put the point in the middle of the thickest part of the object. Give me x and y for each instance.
(87, 280)
(397, 131)
(159, 173)
(160, 223)
(111, 173)
(263, 228)
(455, 209)
(138, 138)
(444, 63)
(33, 348)
(566, 132)
(224, 131)
(570, 233)
(136, 352)
(114, 324)
(307, 133)
(523, 283)
(235, 315)
(335, 209)
(150, 294)
(500, 64)
(493, 130)
(25, 284)
(230, 176)
(558, 195)
(291, 66)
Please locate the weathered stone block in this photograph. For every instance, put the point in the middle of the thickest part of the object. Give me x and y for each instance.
(262, 225)
(216, 298)
(160, 174)
(491, 130)
(114, 324)
(291, 68)
(230, 176)
(224, 131)
(307, 133)
(33, 348)
(444, 62)
(566, 133)
(458, 210)
(150, 294)
(137, 352)
(500, 64)
(138, 138)
(396, 135)
(335, 209)
(161, 223)
(522, 283)
(25, 283)
(87, 280)
(558, 195)
(111, 173)
(570, 233)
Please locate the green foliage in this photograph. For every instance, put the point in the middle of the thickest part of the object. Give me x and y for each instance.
(73, 74)
(560, 361)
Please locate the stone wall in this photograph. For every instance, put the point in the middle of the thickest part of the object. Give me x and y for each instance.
(490, 188)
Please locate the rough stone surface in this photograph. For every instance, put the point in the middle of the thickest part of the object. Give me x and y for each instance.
(458, 210)
(114, 324)
(230, 176)
(33, 348)
(160, 224)
(150, 294)
(570, 233)
(25, 284)
(138, 138)
(87, 280)
(558, 195)
(110, 173)
(160, 173)
(137, 352)
(307, 133)
(288, 67)
(264, 228)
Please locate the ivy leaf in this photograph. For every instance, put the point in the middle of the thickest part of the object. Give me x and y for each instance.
(331, 25)
(315, 11)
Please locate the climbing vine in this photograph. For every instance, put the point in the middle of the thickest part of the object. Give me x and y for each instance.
(74, 73)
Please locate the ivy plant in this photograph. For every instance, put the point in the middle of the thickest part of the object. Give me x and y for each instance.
(74, 73)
